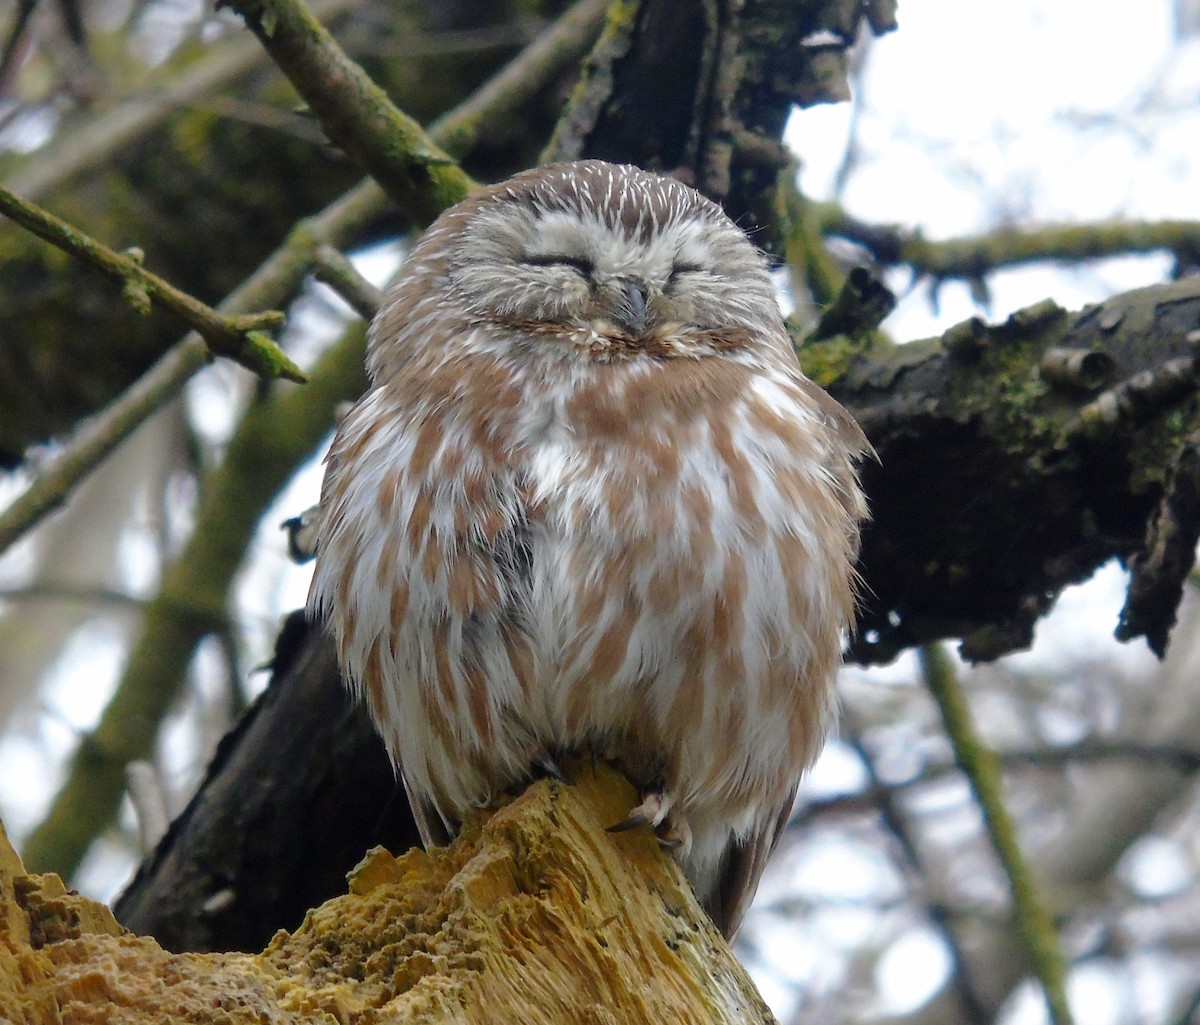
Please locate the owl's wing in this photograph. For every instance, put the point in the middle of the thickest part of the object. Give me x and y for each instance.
(742, 870)
(844, 427)
(481, 636)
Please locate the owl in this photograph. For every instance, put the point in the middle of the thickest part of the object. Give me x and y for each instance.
(590, 504)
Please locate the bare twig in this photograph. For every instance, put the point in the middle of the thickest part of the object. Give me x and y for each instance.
(150, 808)
(82, 595)
(341, 275)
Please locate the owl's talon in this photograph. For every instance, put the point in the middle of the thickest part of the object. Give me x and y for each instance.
(651, 812)
(632, 822)
(674, 834)
(550, 768)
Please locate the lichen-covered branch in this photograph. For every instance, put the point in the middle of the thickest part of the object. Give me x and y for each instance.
(1004, 476)
(594, 87)
(240, 338)
(971, 257)
(510, 88)
(704, 90)
(356, 113)
(982, 769)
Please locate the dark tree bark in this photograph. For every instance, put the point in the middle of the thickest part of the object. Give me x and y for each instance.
(294, 797)
(1016, 459)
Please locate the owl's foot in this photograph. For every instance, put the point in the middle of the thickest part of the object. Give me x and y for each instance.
(659, 811)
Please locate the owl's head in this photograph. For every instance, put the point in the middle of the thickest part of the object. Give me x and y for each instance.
(608, 252)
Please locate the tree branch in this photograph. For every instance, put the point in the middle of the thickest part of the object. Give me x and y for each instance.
(355, 113)
(973, 256)
(241, 339)
(336, 271)
(982, 770)
(974, 435)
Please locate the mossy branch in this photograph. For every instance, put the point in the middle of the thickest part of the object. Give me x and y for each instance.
(239, 338)
(354, 112)
(595, 83)
(972, 256)
(798, 232)
(981, 766)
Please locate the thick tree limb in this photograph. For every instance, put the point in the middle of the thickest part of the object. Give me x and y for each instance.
(999, 483)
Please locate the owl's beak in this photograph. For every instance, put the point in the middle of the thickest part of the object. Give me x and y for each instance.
(629, 305)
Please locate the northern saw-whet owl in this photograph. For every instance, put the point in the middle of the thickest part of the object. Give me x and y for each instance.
(590, 504)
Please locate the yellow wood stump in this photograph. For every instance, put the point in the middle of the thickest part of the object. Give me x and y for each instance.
(535, 916)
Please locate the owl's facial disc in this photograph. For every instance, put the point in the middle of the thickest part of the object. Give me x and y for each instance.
(626, 274)
(634, 285)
